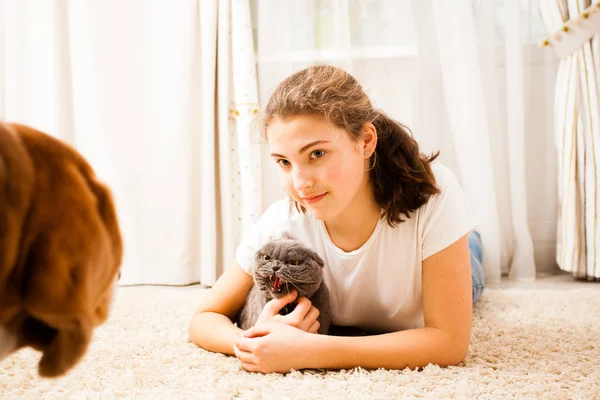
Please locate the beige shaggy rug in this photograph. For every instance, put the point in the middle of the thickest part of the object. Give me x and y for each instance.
(526, 344)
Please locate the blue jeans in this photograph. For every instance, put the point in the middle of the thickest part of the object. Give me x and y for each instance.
(477, 275)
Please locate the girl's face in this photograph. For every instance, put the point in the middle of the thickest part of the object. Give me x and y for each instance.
(321, 167)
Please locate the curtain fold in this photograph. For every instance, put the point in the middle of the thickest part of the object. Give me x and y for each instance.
(464, 78)
(145, 94)
(577, 140)
(464, 102)
(478, 67)
(246, 109)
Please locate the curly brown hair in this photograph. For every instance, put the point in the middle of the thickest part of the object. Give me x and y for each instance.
(401, 175)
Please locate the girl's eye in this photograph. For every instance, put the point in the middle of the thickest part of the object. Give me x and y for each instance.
(317, 154)
(265, 257)
(283, 163)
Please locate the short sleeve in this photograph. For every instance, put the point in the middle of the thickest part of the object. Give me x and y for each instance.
(447, 215)
(270, 225)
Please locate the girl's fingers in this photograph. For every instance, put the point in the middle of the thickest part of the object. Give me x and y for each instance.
(250, 367)
(297, 318)
(314, 328)
(302, 308)
(308, 320)
(273, 307)
(244, 356)
(242, 343)
(255, 331)
(312, 315)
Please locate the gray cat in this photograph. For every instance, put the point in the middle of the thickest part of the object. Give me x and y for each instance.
(280, 266)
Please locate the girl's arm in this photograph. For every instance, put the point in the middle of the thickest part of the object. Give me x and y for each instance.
(447, 308)
(212, 325)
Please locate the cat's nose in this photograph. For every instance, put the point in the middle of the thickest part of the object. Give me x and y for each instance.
(276, 267)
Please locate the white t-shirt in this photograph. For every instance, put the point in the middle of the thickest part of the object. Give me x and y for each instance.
(378, 286)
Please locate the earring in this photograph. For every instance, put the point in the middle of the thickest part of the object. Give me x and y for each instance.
(366, 152)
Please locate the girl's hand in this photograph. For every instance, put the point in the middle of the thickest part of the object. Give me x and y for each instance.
(304, 316)
(272, 347)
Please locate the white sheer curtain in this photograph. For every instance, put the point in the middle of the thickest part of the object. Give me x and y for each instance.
(144, 90)
(372, 39)
(577, 131)
(466, 77)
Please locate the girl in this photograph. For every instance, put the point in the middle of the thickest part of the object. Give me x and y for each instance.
(392, 227)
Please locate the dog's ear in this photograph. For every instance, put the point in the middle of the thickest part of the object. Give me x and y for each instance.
(16, 188)
(71, 250)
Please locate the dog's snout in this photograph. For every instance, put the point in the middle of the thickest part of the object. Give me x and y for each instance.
(8, 343)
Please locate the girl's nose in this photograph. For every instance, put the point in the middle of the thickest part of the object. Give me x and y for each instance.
(302, 180)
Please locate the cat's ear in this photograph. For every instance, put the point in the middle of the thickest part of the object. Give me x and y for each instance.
(316, 256)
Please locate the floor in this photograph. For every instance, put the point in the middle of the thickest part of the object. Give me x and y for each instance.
(559, 280)
(526, 344)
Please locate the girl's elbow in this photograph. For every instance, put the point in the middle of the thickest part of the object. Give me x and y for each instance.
(454, 350)
(450, 360)
(194, 328)
(457, 355)
(457, 359)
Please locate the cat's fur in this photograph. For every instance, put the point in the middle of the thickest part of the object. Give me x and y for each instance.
(297, 267)
(60, 249)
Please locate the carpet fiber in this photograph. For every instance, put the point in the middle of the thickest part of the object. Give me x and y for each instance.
(526, 344)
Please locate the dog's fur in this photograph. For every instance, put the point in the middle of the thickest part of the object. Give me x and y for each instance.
(60, 249)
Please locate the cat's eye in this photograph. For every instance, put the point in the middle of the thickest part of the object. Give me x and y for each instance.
(266, 257)
(295, 262)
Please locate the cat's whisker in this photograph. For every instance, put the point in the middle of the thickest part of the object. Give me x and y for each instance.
(300, 292)
(305, 276)
(312, 281)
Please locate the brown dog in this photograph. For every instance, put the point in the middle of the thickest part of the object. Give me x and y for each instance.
(60, 249)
